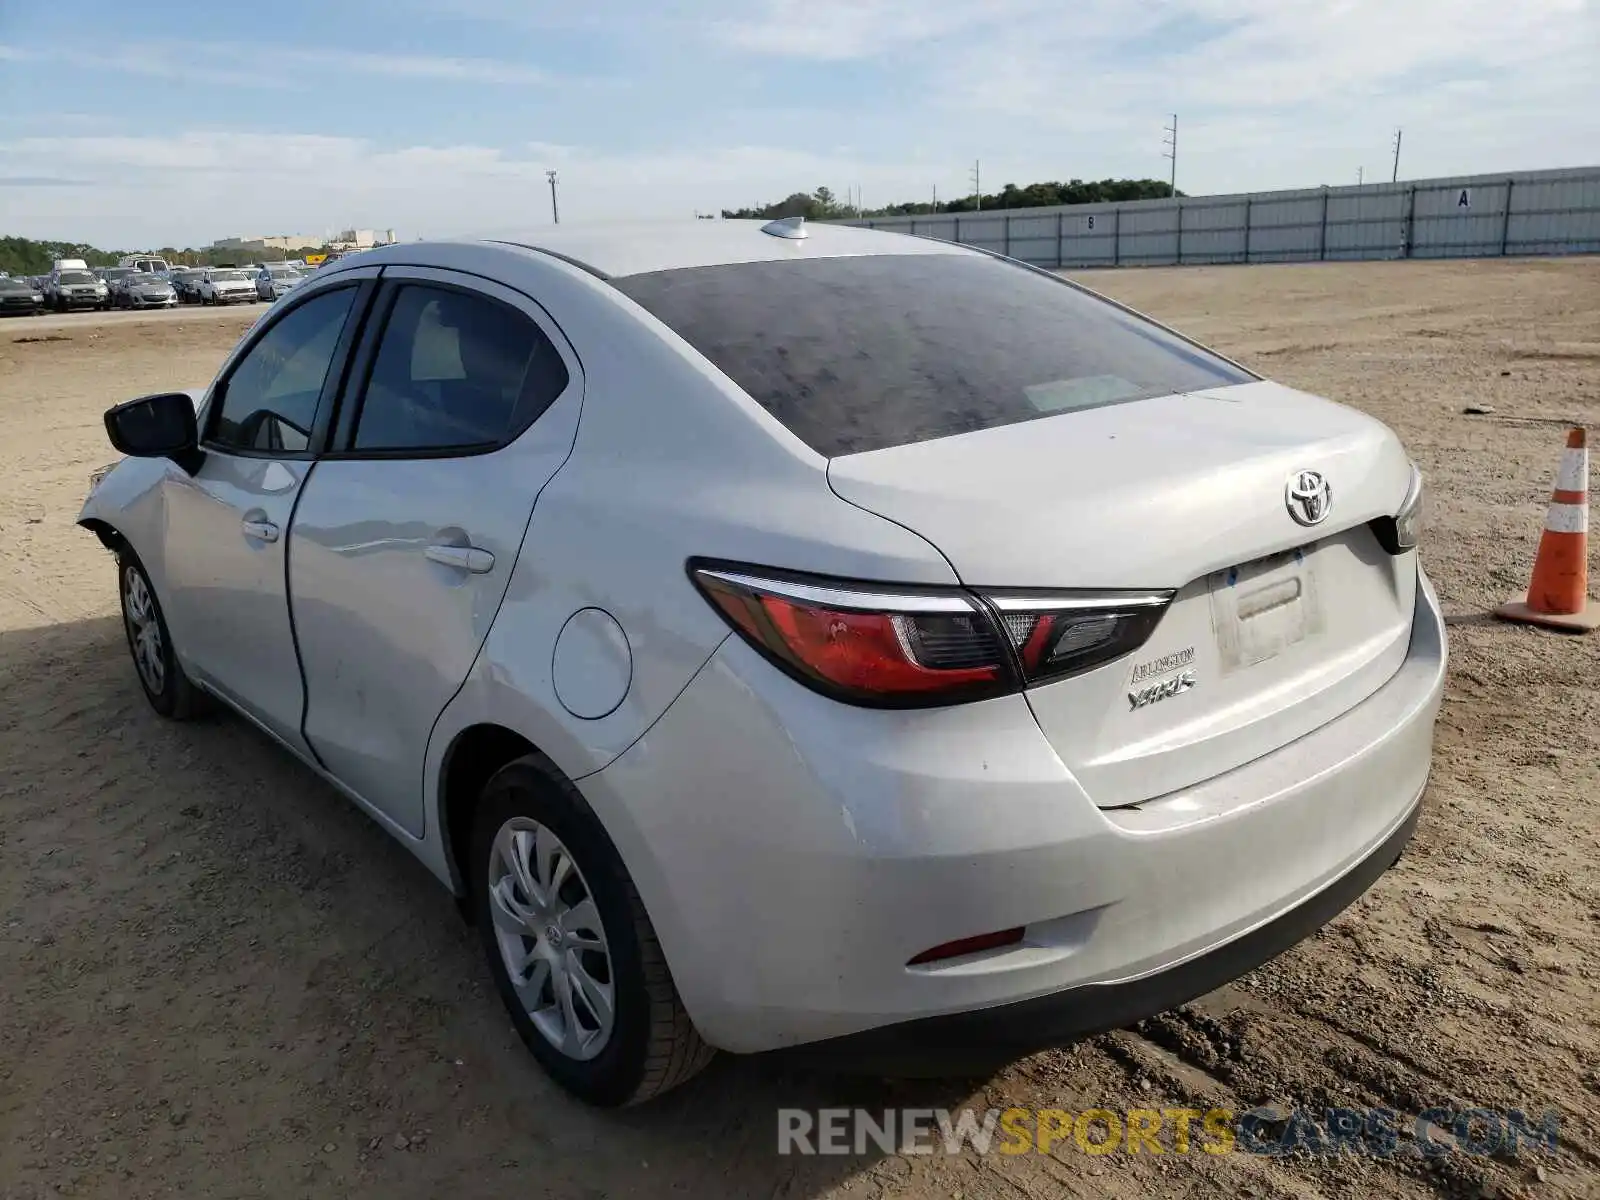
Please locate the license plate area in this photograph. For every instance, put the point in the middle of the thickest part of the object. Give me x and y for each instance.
(1260, 609)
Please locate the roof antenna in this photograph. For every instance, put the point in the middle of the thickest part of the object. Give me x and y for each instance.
(793, 228)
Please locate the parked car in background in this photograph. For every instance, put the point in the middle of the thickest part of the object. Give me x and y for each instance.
(226, 285)
(113, 277)
(820, 639)
(150, 264)
(145, 290)
(186, 282)
(274, 280)
(19, 297)
(77, 289)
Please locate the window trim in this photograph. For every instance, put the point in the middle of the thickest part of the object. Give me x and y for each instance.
(216, 396)
(353, 395)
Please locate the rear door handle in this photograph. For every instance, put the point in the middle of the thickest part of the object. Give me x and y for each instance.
(264, 531)
(462, 558)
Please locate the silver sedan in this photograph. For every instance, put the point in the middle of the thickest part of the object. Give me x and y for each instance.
(796, 638)
(273, 282)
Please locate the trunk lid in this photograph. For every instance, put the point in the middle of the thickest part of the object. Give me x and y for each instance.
(1276, 627)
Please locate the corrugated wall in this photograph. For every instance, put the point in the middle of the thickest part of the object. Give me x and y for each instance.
(1537, 212)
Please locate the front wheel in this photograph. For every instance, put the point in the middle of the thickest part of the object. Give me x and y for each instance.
(169, 690)
(572, 951)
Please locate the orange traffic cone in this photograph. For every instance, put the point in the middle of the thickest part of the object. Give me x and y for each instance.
(1559, 594)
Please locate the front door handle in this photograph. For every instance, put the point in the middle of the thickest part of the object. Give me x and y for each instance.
(462, 558)
(264, 531)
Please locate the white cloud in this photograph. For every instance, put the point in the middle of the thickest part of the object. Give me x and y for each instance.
(898, 96)
(834, 30)
(192, 188)
(1269, 92)
(239, 65)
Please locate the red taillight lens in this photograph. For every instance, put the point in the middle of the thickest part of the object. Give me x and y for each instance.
(1058, 636)
(887, 648)
(894, 647)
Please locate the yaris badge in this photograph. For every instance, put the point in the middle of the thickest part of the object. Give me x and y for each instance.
(1308, 497)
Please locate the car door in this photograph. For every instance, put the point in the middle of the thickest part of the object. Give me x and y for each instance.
(463, 404)
(227, 523)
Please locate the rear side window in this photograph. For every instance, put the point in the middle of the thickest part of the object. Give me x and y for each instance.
(456, 371)
(856, 354)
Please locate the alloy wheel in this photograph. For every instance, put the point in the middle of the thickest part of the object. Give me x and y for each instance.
(144, 630)
(551, 938)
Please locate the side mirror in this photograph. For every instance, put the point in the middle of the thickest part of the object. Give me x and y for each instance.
(160, 426)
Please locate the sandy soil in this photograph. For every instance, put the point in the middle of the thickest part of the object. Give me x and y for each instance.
(217, 979)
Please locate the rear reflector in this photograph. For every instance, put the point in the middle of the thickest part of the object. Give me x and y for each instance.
(888, 647)
(971, 945)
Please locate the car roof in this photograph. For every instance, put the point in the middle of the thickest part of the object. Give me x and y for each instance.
(616, 250)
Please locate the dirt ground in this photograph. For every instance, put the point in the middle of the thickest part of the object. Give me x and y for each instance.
(217, 979)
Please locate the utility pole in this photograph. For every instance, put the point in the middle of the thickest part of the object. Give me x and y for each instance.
(936, 197)
(1396, 176)
(1169, 139)
(977, 184)
(1361, 176)
(555, 213)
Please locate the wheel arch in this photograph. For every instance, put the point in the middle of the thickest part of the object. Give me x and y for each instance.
(473, 756)
(110, 536)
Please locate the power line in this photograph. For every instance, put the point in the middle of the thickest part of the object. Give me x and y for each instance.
(1169, 139)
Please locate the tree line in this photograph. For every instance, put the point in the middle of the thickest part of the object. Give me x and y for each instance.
(823, 205)
(25, 256)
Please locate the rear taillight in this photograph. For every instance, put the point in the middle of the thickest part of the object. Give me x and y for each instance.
(1061, 635)
(893, 647)
(1398, 534)
(889, 648)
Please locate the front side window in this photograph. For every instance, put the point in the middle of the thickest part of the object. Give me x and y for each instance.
(456, 371)
(270, 400)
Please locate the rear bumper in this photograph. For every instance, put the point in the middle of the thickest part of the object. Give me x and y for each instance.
(981, 1038)
(795, 854)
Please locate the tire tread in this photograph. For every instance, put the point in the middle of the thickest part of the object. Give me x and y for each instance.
(676, 1051)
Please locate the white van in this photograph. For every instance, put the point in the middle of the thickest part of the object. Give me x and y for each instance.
(145, 262)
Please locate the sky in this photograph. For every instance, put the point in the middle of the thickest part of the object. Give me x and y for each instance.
(176, 122)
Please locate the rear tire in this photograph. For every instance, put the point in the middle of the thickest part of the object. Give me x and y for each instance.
(587, 934)
(170, 692)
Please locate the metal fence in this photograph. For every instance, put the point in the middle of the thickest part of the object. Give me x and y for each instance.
(1472, 216)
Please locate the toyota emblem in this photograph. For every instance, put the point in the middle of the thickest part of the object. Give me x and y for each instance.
(1308, 497)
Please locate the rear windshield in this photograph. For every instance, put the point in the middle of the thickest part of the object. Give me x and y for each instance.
(856, 354)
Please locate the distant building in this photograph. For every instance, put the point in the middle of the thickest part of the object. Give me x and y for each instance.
(258, 245)
(362, 239)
